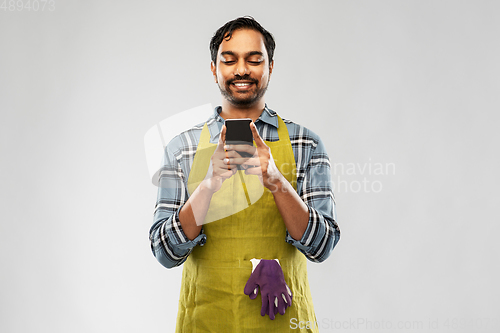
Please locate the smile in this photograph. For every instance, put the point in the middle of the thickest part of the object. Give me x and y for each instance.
(242, 86)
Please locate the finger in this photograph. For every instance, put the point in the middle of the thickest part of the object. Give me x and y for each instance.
(288, 300)
(254, 293)
(252, 161)
(228, 173)
(233, 154)
(265, 305)
(271, 307)
(242, 161)
(223, 168)
(222, 139)
(231, 157)
(223, 163)
(282, 305)
(226, 159)
(258, 140)
(253, 171)
(288, 289)
(241, 148)
(250, 286)
(226, 162)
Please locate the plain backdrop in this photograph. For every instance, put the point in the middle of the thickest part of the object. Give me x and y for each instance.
(404, 94)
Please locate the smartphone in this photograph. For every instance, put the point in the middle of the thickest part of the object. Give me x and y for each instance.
(238, 132)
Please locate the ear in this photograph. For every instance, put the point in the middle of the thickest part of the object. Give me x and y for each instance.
(214, 70)
(271, 66)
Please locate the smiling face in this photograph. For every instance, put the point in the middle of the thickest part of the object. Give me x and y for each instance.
(242, 71)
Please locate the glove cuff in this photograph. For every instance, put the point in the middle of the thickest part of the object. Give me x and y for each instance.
(256, 262)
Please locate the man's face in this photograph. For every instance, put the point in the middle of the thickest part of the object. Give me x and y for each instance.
(242, 71)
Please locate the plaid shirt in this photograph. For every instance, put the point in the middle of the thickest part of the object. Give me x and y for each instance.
(170, 245)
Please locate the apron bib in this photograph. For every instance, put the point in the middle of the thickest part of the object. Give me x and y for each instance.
(246, 224)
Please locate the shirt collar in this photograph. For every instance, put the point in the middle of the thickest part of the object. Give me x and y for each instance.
(215, 122)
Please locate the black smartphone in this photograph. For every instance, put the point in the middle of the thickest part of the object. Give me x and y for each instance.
(238, 132)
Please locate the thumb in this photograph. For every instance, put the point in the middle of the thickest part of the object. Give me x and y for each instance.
(222, 138)
(256, 137)
(254, 293)
(250, 286)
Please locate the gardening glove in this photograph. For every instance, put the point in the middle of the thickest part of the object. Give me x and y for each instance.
(268, 276)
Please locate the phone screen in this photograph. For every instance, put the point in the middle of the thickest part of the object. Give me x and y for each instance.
(238, 132)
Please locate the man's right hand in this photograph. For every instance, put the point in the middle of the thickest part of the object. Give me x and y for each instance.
(219, 168)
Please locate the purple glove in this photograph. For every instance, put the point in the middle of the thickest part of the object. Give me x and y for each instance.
(276, 296)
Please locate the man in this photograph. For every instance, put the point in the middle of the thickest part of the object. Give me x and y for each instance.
(292, 220)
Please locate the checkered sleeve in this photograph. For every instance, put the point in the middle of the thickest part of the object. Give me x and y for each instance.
(169, 244)
(315, 188)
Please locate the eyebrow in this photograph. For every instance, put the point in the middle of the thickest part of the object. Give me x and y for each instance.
(248, 54)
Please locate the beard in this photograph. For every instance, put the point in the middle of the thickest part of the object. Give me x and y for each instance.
(243, 99)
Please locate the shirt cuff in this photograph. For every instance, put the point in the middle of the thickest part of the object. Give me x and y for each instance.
(180, 242)
(201, 239)
(304, 243)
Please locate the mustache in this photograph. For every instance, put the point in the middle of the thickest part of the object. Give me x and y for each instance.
(245, 77)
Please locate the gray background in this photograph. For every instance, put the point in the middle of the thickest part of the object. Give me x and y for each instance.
(413, 83)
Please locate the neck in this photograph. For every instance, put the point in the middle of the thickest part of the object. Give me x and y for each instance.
(230, 111)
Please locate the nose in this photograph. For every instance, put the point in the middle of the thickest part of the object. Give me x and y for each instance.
(241, 68)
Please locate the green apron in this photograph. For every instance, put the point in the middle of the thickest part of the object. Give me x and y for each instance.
(214, 276)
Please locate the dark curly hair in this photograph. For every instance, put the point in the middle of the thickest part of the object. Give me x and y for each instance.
(245, 22)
